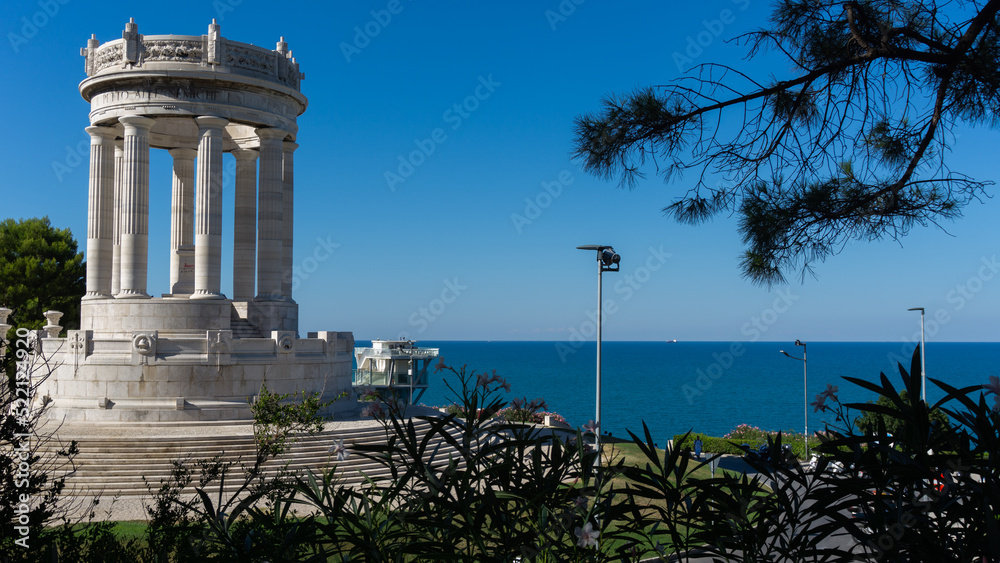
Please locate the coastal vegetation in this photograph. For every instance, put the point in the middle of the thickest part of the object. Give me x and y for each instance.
(733, 442)
(475, 487)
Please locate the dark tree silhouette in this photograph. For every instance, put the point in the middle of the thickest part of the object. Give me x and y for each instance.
(851, 145)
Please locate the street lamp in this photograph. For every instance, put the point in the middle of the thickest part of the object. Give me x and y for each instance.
(923, 370)
(805, 388)
(607, 261)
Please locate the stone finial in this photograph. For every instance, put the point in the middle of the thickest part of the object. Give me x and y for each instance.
(213, 44)
(282, 47)
(52, 328)
(4, 313)
(88, 54)
(132, 42)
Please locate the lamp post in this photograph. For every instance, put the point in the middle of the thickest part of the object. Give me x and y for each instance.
(923, 370)
(805, 388)
(607, 261)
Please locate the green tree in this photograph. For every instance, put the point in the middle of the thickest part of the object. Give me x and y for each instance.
(40, 270)
(848, 145)
(870, 420)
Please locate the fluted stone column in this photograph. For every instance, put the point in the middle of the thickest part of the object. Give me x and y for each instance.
(182, 222)
(100, 212)
(135, 206)
(116, 221)
(245, 225)
(270, 214)
(288, 214)
(208, 213)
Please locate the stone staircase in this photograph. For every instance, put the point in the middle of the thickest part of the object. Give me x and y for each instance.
(242, 328)
(115, 466)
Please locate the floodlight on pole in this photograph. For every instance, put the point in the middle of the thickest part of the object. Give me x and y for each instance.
(607, 261)
(805, 388)
(923, 369)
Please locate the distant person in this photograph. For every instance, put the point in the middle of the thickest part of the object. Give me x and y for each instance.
(697, 447)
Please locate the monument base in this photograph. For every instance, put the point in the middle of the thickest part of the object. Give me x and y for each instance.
(173, 376)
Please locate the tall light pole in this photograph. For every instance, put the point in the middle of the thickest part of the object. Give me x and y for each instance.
(805, 388)
(607, 261)
(923, 369)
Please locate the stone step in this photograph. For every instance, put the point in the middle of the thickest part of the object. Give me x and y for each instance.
(243, 329)
(201, 445)
(117, 465)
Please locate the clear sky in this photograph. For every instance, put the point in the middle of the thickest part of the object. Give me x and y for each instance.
(440, 255)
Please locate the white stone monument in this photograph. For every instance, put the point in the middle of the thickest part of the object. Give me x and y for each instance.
(193, 354)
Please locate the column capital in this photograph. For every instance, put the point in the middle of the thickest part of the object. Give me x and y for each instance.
(271, 133)
(245, 154)
(289, 146)
(183, 153)
(98, 132)
(137, 122)
(211, 122)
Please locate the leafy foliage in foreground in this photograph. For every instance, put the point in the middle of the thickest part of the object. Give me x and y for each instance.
(471, 487)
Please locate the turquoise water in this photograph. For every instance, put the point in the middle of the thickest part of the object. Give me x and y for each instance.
(706, 386)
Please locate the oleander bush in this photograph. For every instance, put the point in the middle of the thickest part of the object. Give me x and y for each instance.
(471, 487)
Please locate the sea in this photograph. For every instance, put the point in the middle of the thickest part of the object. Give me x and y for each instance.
(708, 387)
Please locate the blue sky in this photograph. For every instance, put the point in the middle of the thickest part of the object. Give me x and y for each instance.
(439, 255)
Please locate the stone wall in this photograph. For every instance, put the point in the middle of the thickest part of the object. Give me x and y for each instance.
(147, 377)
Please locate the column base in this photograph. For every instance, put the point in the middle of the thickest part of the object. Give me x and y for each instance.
(132, 294)
(95, 295)
(199, 294)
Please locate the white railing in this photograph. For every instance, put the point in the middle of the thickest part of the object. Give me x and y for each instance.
(383, 354)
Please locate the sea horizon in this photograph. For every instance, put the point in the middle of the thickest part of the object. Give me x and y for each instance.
(704, 386)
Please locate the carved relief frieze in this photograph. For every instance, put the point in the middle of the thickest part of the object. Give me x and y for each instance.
(107, 55)
(173, 50)
(251, 59)
(289, 74)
